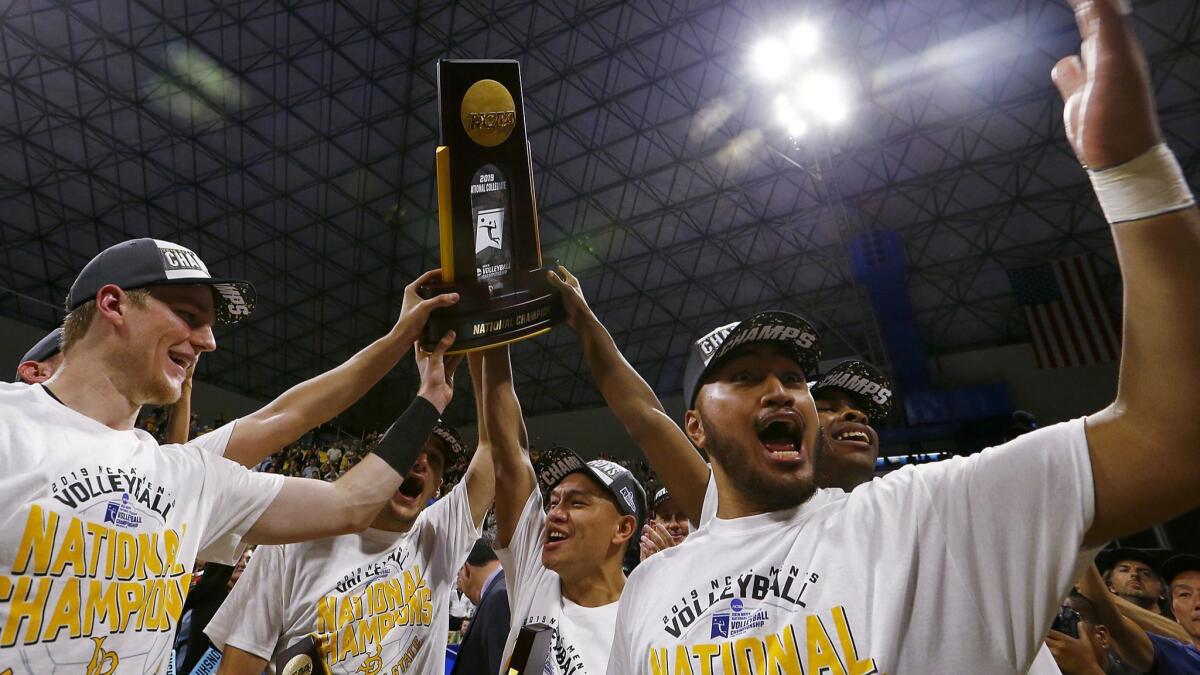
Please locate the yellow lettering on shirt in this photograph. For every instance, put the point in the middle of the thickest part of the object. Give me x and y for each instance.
(73, 578)
(775, 653)
(353, 625)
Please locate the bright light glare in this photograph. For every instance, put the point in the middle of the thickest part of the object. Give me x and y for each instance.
(797, 128)
(824, 95)
(770, 59)
(804, 39)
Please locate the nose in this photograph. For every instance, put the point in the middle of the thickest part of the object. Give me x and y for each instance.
(203, 339)
(422, 463)
(557, 513)
(777, 395)
(852, 414)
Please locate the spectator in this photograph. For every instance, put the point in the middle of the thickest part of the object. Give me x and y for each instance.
(1182, 574)
(1145, 651)
(481, 579)
(1088, 652)
(1129, 572)
(668, 527)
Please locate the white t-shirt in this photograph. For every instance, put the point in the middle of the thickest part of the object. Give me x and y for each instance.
(582, 635)
(956, 566)
(100, 532)
(378, 601)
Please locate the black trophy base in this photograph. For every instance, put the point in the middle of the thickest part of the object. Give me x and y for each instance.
(481, 321)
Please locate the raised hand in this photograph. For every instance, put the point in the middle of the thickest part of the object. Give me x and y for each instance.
(1108, 107)
(437, 373)
(655, 538)
(414, 312)
(572, 295)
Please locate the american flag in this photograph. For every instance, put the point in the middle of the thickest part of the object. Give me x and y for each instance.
(1070, 324)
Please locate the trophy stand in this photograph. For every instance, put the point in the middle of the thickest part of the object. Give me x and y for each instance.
(489, 240)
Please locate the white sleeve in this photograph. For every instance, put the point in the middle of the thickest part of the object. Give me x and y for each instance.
(454, 532)
(251, 618)
(620, 655)
(216, 440)
(522, 558)
(1012, 519)
(233, 499)
(708, 510)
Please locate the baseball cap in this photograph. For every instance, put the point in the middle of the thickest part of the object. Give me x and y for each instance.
(793, 334)
(661, 495)
(1178, 564)
(453, 440)
(1110, 557)
(45, 348)
(559, 462)
(139, 263)
(869, 387)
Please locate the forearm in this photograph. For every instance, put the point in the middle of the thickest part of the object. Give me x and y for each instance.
(639, 410)
(234, 661)
(180, 416)
(1151, 622)
(311, 509)
(480, 476)
(315, 401)
(510, 458)
(1160, 337)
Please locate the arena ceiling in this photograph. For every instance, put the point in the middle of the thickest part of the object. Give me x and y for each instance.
(292, 144)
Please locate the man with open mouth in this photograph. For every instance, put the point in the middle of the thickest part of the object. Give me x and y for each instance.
(377, 599)
(561, 531)
(790, 578)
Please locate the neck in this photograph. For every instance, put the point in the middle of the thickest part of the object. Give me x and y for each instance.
(600, 586)
(90, 390)
(1148, 604)
(735, 503)
(389, 524)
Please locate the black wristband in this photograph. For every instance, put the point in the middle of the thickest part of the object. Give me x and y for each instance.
(405, 439)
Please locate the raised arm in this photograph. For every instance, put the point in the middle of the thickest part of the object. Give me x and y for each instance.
(506, 433)
(1145, 462)
(669, 451)
(1131, 642)
(316, 401)
(480, 476)
(311, 509)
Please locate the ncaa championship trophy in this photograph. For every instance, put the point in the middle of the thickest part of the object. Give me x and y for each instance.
(490, 248)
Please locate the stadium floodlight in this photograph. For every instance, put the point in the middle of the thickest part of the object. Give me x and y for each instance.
(824, 96)
(797, 127)
(770, 60)
(804, 39)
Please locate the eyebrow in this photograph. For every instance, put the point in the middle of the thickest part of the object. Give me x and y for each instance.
(571, 492)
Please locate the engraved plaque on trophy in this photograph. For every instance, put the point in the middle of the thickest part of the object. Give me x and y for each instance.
(490, 248)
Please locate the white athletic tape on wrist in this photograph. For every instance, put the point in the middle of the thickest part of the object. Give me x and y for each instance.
(1149, 185)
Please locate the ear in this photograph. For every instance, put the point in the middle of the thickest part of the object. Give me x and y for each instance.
(626, 529)
(1102, 636)
(30, 371)
(112, 303)
(694, 427)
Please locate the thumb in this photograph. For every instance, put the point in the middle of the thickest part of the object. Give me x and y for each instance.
(555, 280)
(439, 352)
(1068, 76)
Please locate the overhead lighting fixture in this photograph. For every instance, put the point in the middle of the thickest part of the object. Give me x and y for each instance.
(769, 59)
(809, 91)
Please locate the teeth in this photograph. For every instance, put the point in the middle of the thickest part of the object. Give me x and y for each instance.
(853, 435)
(555, 536)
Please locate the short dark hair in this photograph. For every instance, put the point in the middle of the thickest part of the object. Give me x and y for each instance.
(1086, 608)
(481, 553)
